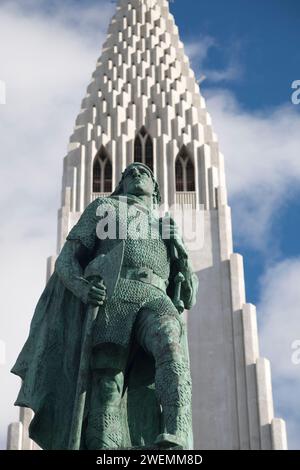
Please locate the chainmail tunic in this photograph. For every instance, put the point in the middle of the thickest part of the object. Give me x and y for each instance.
(144, 247)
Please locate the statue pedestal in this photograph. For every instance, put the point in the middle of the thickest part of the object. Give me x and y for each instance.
(154, 447)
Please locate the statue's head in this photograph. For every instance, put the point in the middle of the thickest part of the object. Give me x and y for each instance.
(137, 179)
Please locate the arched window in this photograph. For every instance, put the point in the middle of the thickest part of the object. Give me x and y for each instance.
(184, 172)
(179, 175)
(143, 148)
(97, 176)
(108, 177)
(138, 149)
(149, 152)
(102, 173)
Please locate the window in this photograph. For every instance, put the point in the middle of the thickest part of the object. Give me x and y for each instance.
(97, 176)
(108, 177)
(138, 149)
(184, 172)
(143, 148)
(102, 173)
(179, 175)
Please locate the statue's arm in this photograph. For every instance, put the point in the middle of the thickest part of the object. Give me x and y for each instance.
(190, 284)
(69, 270)
(179, 256)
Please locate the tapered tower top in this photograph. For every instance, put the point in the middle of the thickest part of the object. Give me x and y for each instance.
(142, 104)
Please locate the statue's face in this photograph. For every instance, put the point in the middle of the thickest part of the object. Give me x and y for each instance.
(138, 181)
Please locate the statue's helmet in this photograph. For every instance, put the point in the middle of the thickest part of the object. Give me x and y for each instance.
(120, 187)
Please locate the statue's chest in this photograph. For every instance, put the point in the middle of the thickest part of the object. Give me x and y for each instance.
(144, 246)
(147, 252)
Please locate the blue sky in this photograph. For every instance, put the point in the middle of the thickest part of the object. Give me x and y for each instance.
(262, 35)
(249, 52)
(262, 39)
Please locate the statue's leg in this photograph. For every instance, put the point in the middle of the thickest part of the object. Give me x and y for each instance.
(160, 335)
(104, 427)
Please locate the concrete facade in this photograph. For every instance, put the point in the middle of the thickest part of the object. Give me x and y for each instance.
(143, 78)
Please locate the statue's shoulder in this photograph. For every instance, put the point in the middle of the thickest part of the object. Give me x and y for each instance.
(102, 201)
(84, 229)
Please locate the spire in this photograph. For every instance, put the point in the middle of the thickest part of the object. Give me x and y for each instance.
(143, 67)
(142, 78)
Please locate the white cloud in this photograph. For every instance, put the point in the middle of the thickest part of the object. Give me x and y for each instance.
(46, 62)
(279, 313)
(262, 162)
(2, 92)
(198, 51)
(262, 150)
(280, 307)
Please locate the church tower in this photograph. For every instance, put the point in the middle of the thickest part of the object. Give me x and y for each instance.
(144, 104)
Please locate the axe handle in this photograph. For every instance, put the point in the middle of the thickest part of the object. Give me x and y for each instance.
(82, 380)
(177, 292)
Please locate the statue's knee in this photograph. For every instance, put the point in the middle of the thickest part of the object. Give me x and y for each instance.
(107, 385)
(168, 352)
(108, 389)
(169, 347)
(168, 340)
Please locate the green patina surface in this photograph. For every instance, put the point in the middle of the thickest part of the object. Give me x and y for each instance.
(107, 336)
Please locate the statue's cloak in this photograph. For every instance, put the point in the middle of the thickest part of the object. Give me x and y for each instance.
(49, 362)
(48, 365)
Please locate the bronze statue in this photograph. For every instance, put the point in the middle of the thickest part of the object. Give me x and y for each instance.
(106, 362)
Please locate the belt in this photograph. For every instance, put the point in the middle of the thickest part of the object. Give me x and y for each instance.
(145, 275)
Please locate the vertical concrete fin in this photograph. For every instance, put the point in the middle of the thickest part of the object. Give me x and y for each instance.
(26, 416)
(251, 351)
(50, 266)
(14, 436)
(237, 281)
(238, 300)
(279, 436)
(265, 401)
(204, 164)
(225, 232)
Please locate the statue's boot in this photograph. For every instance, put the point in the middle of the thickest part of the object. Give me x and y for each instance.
(174, 390)
(104, 430)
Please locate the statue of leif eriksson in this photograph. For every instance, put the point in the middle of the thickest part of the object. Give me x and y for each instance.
(106, 363)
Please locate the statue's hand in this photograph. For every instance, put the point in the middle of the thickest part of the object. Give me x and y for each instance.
(97, 293)
(171, 232)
